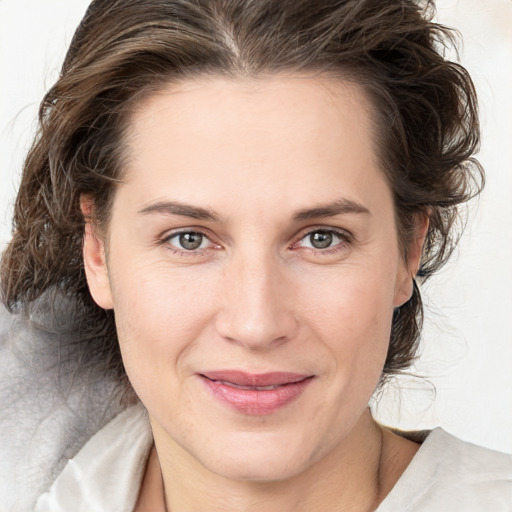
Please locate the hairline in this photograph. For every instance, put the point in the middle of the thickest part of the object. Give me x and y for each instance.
(328, 77)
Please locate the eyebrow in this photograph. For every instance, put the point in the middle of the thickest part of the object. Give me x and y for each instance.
(181, 209)
(338, 207)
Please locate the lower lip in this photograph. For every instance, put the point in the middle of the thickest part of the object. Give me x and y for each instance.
(255, 401)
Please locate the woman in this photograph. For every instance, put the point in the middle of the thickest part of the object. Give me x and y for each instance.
(223, 218)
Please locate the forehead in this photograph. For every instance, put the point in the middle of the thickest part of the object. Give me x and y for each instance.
(279, 132)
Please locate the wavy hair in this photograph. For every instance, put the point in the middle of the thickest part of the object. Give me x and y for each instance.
(424, 106)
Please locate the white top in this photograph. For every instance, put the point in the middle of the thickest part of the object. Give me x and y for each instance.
(107, 472)
(446, 475)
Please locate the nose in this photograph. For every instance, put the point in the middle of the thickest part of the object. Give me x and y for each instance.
(256, 303)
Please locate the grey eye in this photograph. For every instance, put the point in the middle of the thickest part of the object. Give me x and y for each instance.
(193, 242)
(321, 239)
(189, 240)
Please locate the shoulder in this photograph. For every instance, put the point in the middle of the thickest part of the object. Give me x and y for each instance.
(120, 448)
(48, 410)
(478, 461)
(450, 474)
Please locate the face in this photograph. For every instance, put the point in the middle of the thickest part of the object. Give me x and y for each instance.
(253, 267)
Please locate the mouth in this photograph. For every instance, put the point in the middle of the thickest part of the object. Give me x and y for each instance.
(256, 394)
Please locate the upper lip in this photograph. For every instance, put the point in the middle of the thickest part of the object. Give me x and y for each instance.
(242, 378)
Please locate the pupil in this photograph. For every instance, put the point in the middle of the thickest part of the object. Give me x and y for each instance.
(321, 239)
(191, 241)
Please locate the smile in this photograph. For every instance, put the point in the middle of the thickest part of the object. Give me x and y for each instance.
(256, 394)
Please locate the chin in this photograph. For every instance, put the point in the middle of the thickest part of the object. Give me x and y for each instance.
(258, 458)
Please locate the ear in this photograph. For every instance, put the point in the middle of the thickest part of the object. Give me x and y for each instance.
(95, 262)
(405, 278)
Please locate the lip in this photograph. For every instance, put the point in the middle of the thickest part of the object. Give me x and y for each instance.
(256, 394)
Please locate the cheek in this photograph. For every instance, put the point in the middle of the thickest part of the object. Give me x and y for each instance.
(152, 294)
(351, 303)
(159, 315)
(351, 312)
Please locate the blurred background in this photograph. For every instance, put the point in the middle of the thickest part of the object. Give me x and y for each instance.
(463, 380)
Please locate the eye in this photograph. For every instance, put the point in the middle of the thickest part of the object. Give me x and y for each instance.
(189, 241)
(322, 239)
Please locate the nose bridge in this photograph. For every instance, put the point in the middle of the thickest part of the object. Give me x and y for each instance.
(255, 310)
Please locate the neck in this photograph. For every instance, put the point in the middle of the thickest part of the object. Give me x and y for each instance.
(349, 478)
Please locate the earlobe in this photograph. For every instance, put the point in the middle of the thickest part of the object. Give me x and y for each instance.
(95, 262)
(406, 286)
(403, 291)
(415, 249)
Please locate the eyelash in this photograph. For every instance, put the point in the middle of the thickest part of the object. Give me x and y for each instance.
(190, 252)
(345, 239)
(344, 236)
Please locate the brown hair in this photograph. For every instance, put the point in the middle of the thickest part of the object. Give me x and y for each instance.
(426, 126)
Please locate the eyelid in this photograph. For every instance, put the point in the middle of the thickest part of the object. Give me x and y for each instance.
(169, 233)
(165, 238)
(177, 236)
(346, 237)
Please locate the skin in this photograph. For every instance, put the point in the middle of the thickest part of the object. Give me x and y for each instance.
(272, 160)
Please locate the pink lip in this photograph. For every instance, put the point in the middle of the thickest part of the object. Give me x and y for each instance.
(243, 391)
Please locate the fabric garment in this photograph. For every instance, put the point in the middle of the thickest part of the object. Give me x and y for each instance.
(446, 475)
(50, 405)
(451, 475)
(69, 443)
(107, 473)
